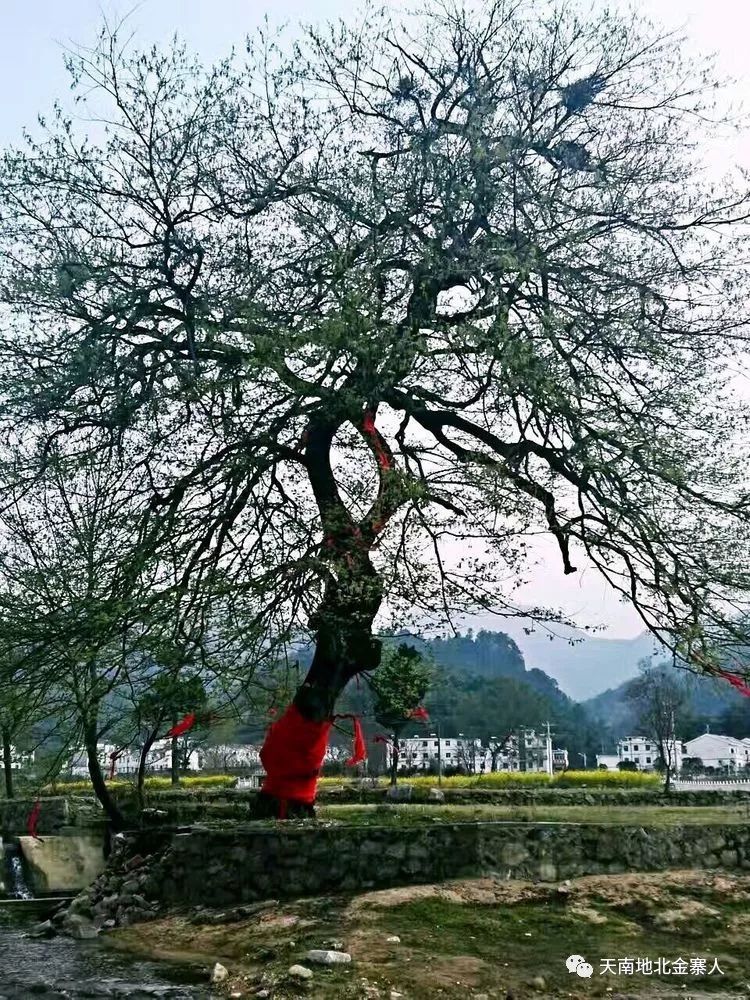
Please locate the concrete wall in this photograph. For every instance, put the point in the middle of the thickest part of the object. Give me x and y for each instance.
(63, 863)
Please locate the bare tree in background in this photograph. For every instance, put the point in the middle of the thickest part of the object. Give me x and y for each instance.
(659, 696)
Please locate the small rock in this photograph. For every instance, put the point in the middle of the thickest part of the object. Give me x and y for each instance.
(334, 945)
(539, 982)
(296, 972)
(399, 793)
(326, 957)
(45, 929)
(218, 973)
(393, 939)
(78, 926)
(394, 995)
(437, 795)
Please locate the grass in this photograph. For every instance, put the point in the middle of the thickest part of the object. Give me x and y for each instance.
(610, 815)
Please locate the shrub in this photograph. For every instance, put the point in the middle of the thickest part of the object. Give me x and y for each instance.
(607, 779)
(153, 784)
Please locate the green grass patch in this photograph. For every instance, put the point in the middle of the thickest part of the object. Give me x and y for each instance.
(519, 942)
(611, 815)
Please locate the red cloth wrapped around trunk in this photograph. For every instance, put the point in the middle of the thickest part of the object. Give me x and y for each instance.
(292, 756)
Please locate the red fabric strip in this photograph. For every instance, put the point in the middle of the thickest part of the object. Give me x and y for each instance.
(359, 748)
(33, 819)
(183, 725)
(742, 686)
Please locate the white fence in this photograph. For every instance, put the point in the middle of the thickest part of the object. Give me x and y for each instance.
(710, 784)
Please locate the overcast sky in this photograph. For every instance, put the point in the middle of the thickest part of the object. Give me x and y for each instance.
(34, 33)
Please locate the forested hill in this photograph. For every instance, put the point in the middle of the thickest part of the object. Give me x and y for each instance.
(482, 688)
(707, 702)
(487, 655)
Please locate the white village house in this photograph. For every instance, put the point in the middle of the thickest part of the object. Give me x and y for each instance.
(723, 752)
(159, 759)
(222, 757)
(423, 753)
(643, 752)
(231, 756)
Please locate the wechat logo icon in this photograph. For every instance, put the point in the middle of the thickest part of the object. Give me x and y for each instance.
(579, 965)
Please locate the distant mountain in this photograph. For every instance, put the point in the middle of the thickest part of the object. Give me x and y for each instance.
(582, 664)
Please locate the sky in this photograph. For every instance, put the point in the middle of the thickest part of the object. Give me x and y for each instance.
(35, 33)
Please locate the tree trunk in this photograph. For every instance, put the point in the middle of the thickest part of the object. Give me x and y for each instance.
(101, 791)
(175, 768)
(141, 777)
(7, 765)
(394, 760)
(344, 647)
(668, 772)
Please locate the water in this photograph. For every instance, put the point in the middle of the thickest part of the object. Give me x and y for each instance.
(62, 969)
(16, 886)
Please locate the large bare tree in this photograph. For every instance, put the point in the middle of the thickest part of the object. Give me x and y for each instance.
(368, 312)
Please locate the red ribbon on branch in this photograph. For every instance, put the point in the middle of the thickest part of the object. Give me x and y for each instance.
(183, 725)
(420, 713)
(742, 686)
(33, 819)
(359, 748)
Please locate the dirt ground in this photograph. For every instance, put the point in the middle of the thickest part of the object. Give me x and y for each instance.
(482, 938)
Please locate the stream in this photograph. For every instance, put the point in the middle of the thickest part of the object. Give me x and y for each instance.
(63, 969)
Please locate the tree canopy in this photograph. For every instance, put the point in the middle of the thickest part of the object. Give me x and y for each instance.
(366, 312)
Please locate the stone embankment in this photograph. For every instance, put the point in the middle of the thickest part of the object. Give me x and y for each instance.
(150, 872)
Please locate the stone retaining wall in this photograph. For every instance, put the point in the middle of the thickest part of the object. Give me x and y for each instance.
(153, 870)
(55, 814)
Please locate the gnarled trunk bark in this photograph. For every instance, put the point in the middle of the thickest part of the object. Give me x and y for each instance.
(293, 750)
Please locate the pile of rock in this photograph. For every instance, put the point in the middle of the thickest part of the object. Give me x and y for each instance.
(126, 892)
